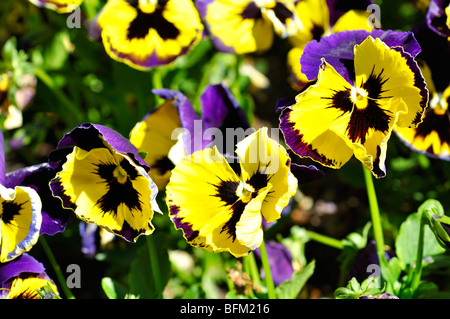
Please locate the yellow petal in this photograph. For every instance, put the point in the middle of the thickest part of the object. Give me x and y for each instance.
(153, 135)
(263, 160)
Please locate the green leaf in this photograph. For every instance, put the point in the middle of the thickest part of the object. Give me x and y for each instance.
(406, 242)
(148, 278)
(113, 289)
(291, 288)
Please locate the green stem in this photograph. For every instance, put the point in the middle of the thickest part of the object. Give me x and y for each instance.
(376, 220)
(332, 242)
(248, 269)
(154, 264)
(268, 273)
(157, 83)
(56, 268)
(419, 257)
(253, 268)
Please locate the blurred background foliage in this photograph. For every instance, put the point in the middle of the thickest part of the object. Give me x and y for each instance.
(77, 82)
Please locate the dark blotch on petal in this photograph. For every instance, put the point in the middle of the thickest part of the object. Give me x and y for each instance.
(341, 100)
(230, 226)
(251, 12)
(226, 191)
(10, 210)
(143, 22)
(440, 123)
(258, 181)
(118, 193)
(361, 121)
(163, 165)
(281, 12)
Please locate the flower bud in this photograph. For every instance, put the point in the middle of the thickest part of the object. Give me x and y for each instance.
(440, 225)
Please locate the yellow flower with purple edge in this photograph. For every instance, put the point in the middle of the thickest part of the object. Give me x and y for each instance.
(366, 84)
(432, 136)
(147, 33)
(247, 26)
(220, 208)
(20, 216)
(102, 178)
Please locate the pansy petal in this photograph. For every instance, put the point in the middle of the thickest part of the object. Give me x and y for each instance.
(236, 27)
(20, 221)
(54, 216)
(263, 161)
(338, 50)
(353, 20)
(28, 287)
(60, 6)
(107, 189)
(205, 182)
(315, 19)
(280, 261)
(88, 136)
(154, 135)
(306, 124)
(432, 136)
(435, 52)
(438, 17)
(283, 15)
(143, 34)
(224, 122)
(297, 79)
(338, 8)
(22, 264)
(249, 231)
(391, 73)
(192, 130)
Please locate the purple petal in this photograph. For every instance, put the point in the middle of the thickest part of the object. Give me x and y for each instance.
(280, 261)
(54, 216)
(88, 233)
(436, 17)
(23, 263)
(221, 111)
(436, 53)
(338, 50)
(88, 136)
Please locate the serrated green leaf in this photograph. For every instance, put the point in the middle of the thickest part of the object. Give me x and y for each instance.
(291, 288)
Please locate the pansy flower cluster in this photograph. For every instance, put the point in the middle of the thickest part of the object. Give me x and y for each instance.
(223, 180)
